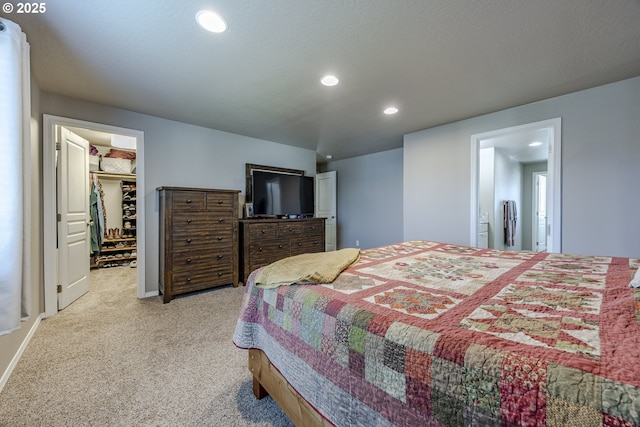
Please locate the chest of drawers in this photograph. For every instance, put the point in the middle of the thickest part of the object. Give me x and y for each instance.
(198, 239)
(264, 241)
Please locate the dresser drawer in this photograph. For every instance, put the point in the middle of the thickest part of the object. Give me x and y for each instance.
(186, 261)
(289, 229)
(190, 281)
(307, 245)
(211, 220)
(269, 251)
(222, 203)
(188, 200)
(263, 231)
(313, 228)
(193, 220)
(191, 239)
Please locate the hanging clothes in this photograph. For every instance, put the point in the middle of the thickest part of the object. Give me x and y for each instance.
(510, 217)
(96, 199)
(93, 203)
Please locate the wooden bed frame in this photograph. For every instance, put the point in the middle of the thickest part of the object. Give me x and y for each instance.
(267, 381)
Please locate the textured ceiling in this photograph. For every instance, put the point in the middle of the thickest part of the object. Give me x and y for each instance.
(438, 61)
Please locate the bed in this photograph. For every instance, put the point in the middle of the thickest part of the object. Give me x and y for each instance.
(432, 334)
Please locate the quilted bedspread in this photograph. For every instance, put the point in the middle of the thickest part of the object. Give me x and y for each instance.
(432, 334)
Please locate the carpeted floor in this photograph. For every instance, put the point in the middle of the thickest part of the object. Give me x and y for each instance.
(110, 359)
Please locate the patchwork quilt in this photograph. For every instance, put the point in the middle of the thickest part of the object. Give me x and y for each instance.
(432, 334)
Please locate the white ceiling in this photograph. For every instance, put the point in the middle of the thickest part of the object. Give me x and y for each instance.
(438, 61)
(515, 144)
(93, 136)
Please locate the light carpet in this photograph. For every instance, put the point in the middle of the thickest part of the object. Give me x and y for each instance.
(110, 359)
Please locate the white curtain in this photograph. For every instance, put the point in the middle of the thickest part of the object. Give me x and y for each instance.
(15, 182)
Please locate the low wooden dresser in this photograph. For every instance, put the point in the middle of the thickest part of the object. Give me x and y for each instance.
(198, 239)
(264, 241)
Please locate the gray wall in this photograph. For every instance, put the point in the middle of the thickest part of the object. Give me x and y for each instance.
(180, 154)
(600, 173)
(369, 199)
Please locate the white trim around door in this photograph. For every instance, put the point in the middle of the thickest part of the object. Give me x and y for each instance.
(554, 177)
(49, 204)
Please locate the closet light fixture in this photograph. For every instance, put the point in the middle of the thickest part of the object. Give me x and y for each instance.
(211, 21)
(390, 110)
(123, 141)
(329, 80)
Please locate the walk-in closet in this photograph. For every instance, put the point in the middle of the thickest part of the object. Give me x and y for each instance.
(113, 201)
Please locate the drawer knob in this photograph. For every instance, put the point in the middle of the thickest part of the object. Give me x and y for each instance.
(188, 240)
(290, 229)
(264, 231)
(188, 260)
(280, 246)
(219, 237)
(220, 202)
(188, 200)
(221, 220)
(188, 279)
(189, 221)
(220, 274)
(220, 256)
(260, 249)
(299, 243)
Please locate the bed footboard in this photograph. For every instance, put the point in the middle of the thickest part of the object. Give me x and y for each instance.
(268, 381)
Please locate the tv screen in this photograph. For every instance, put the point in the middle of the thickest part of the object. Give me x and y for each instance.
(276, 194)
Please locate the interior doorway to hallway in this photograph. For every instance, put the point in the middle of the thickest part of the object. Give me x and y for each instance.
(552, 128)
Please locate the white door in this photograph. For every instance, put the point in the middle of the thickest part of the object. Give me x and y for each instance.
(540, 212)
(72, 174)
(326, 206)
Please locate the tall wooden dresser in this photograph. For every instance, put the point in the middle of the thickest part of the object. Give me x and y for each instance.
(265, 241)
(198, 239)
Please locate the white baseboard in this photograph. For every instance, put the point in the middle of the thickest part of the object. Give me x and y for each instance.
(18, 355)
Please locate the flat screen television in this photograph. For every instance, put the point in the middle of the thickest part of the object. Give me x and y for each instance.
(278, 194)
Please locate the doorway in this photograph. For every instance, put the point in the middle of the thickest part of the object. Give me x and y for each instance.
(509, 141)
(51, 254)
(326, 198)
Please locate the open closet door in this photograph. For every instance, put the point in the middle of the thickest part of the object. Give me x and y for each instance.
(72, 171)
(326, 206)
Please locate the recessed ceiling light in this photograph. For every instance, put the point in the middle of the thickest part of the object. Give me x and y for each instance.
(329, 80)
(535, 144)
(329, 156)
(390, 110)
(211, 21)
